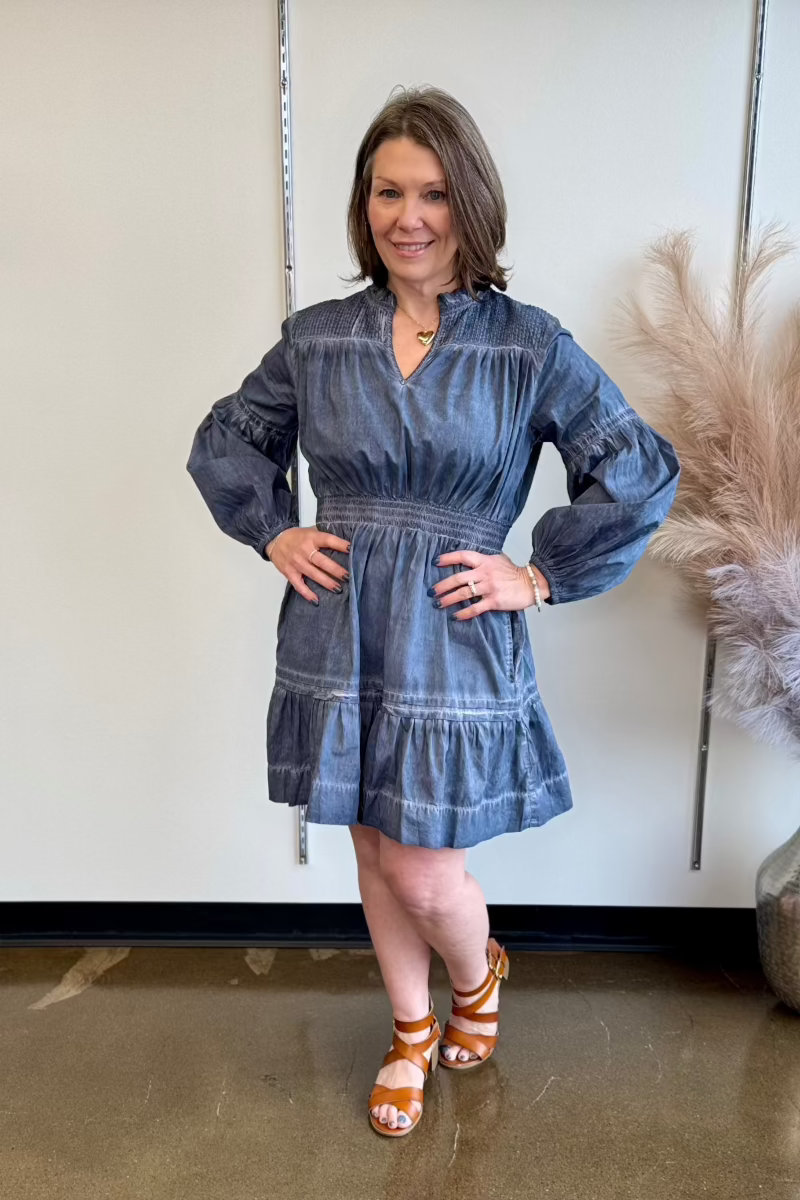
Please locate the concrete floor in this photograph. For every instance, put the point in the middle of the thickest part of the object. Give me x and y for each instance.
(244, 1074)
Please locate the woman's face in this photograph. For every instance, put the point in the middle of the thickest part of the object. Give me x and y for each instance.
(409, 213)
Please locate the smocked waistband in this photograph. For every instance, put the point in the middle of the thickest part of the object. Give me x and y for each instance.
(481, 532)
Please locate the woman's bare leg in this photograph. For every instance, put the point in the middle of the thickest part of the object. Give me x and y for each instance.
(404, 959)
(447, 907)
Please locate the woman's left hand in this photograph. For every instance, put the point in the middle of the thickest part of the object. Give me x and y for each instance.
(499, 583)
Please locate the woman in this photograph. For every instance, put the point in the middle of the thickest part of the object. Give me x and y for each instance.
(405, 702)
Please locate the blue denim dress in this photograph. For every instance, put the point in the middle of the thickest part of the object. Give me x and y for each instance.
(384, 711)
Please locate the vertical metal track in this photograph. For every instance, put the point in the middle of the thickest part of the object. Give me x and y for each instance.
(745, 221)
(288, 250)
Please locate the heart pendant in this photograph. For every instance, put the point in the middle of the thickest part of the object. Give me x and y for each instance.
(426, 336)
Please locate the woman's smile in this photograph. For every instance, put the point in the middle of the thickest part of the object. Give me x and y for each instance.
(411, 249)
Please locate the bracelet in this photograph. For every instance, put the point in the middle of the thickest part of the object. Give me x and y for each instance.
(536, 593)
(277, 535)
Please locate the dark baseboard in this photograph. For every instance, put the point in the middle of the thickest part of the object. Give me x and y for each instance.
(714, 933)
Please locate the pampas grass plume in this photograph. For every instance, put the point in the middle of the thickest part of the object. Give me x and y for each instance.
(730, 404)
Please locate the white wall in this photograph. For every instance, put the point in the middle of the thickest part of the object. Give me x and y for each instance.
(142, 223)
(143, 254)
(753, 789)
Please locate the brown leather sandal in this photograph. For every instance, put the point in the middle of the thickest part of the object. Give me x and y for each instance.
(401, 1097)
(484, 1044)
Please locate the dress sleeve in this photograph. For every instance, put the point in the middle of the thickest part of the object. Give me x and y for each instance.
(622, 476)
(243, 448)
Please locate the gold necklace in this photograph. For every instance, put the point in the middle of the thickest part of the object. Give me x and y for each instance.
(426, 336)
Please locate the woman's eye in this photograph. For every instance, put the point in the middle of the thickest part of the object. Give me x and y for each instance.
(435, 192)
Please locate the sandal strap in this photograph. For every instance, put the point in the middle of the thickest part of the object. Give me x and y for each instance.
(413, 1026)
(470, 1041)
(498, 969)
(488, 1018)
(400, 1097)
(474, 990)
(416, 1026)
(467, 1010)
(414, 1053)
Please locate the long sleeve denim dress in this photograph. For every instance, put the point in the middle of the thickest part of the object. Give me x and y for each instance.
(384, 711)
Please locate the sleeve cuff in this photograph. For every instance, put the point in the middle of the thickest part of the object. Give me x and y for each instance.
(261, 545)
(554, 596)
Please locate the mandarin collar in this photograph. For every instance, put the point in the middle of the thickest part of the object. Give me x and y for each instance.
(448, 301)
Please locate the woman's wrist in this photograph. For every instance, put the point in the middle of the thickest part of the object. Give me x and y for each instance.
(540, 588)
(271, 543)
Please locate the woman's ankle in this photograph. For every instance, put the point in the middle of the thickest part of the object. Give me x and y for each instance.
(472, 991)
(460, 985)
(413, 1038)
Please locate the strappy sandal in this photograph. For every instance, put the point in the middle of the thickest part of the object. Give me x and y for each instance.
(481, 1044)
(401, 1097)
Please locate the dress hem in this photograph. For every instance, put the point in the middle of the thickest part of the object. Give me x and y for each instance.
(390, 815)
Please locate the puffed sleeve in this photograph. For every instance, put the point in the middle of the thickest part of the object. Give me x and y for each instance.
(243, 447)
(622, 476)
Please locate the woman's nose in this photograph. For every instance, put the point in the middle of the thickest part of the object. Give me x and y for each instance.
(410, 216)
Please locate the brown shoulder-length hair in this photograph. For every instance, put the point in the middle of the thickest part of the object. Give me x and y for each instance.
(433, 118)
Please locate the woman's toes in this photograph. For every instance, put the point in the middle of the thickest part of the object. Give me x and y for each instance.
(388, 1115)
(398, 1118)
(453, 1052)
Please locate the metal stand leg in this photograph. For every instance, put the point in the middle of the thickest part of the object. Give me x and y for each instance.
(288, 237)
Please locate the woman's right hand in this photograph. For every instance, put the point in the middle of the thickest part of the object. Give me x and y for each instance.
(291, 550)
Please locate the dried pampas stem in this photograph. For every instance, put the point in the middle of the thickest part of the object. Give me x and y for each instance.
(730, 405)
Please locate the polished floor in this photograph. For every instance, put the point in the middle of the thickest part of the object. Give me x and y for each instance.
(244, 1074)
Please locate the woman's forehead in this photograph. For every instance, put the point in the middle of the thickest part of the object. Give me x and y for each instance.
(396, 150)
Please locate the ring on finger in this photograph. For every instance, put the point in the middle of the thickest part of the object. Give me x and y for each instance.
(472, 587)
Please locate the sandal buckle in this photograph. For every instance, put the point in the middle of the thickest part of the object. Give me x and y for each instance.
(496, 968)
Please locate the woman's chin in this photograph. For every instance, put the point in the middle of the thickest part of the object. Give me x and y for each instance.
(413, 272)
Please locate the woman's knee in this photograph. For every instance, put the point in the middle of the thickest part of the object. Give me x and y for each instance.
(426, 882)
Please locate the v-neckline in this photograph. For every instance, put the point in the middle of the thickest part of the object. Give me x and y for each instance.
(449, 303)
(425, 357)
(391, 315)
